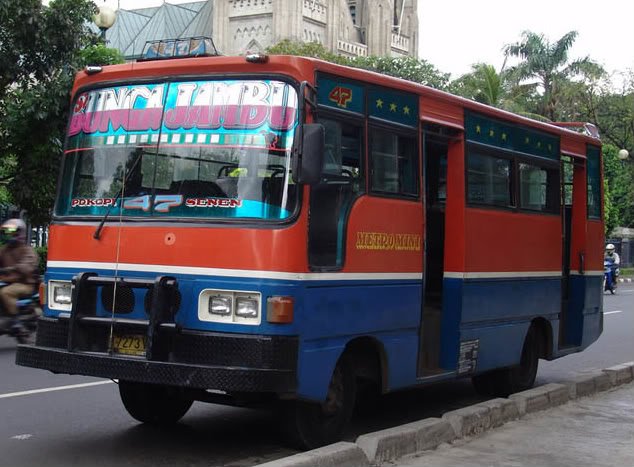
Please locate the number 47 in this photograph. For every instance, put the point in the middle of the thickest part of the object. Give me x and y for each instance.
(162, 203)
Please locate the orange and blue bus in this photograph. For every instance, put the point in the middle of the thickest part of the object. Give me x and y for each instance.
(284, 230)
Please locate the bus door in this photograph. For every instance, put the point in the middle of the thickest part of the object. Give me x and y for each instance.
(566, 212)
(435, 140)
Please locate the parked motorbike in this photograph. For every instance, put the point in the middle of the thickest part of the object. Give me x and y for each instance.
(22, 327)
(609, 276)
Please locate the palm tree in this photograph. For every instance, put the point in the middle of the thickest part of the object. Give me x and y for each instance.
(547, 63)
(486, 85)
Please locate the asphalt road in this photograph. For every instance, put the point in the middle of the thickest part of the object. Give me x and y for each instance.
(86, 425)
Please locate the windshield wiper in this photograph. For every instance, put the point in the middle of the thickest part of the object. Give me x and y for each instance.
(99, 228)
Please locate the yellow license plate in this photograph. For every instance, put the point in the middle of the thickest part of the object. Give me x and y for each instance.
(129, 345)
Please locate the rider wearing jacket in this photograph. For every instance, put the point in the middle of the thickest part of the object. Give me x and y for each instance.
(18, 266)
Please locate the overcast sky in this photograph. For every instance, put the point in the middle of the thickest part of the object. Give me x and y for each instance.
(457, 33)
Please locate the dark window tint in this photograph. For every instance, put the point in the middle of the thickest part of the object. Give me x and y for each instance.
(394, 163)
(489, 180)
(594, 183)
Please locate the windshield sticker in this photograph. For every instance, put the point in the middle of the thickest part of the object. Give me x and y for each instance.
(91, 202)
(231, 112)
(213, 203)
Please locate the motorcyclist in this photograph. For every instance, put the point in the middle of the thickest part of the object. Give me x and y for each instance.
(18, 267)
(613, 258)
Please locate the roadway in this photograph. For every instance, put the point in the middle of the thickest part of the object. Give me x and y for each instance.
(82, 421)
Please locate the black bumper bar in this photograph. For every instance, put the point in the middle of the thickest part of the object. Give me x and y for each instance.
(230, 379)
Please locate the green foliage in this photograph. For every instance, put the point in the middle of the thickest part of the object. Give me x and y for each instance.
(99, 54)
(42, 253)
(619, 179)
(548, 66)
(409, 68)
(41, 48)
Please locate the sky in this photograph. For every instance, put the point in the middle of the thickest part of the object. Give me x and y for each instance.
(454, 34)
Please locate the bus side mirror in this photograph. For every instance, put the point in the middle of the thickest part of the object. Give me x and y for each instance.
(309, 158)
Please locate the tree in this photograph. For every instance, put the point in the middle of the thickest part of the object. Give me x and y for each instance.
(41, 48)
(548, 65)
(619, 187)
(409, 68)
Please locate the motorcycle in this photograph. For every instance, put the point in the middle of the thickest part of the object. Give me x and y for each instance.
(609, 276)
(22, 327)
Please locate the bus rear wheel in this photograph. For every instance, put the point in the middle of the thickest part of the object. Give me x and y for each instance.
(311, 425)
(501, 383)
(152, 403)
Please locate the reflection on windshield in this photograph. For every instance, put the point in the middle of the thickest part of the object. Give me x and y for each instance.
(238, 169)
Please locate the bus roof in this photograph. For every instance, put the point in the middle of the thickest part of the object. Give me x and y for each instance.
(436, 106)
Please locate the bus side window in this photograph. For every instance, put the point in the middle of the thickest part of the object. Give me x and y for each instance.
(394, 163)
(331, 199)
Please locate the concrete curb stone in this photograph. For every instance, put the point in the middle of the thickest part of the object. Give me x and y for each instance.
(620, 374)
(400, 441)
(342, 454)
(502, 411)
(540, 398)
(582, 385)
(469, 421)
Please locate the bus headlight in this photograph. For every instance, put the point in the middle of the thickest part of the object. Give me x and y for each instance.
(230, 306)
(247, 307)
(60, 295)
(220, 305)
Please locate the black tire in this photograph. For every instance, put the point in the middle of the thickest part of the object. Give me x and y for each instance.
(311, 425)
(506, 381)
(153, 404)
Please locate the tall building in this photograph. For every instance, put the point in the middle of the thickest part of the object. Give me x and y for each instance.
(346, 27)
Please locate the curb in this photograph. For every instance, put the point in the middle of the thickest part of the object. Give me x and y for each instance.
(393, 443)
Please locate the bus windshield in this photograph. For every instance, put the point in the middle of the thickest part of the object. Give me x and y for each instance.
(193, 149)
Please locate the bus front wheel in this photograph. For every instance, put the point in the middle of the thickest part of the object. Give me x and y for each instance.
(501, 383)
(152, 403)
(310, 425)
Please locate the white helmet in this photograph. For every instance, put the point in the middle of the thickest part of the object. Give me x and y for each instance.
(609, 247)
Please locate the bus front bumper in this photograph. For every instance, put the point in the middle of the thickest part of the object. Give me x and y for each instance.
(191, 359)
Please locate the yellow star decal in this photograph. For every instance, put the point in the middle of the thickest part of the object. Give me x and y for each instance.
(539, 144)
(406, 110)
(527, 140)
(550, 147)
(379, 103)
(478, 129)
(503, 136)
(491, 133)
(393, 107)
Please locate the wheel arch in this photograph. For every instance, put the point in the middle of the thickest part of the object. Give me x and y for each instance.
(369, 359)
(544, 331)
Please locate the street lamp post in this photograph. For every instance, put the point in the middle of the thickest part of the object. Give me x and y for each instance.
(104, 20)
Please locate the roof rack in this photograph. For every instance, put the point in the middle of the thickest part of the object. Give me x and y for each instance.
(587, 129)
(199, 46)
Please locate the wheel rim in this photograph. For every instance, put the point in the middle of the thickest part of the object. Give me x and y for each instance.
(335, 397)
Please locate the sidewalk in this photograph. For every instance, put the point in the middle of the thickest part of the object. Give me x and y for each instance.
(592, 431)
(585, 421)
